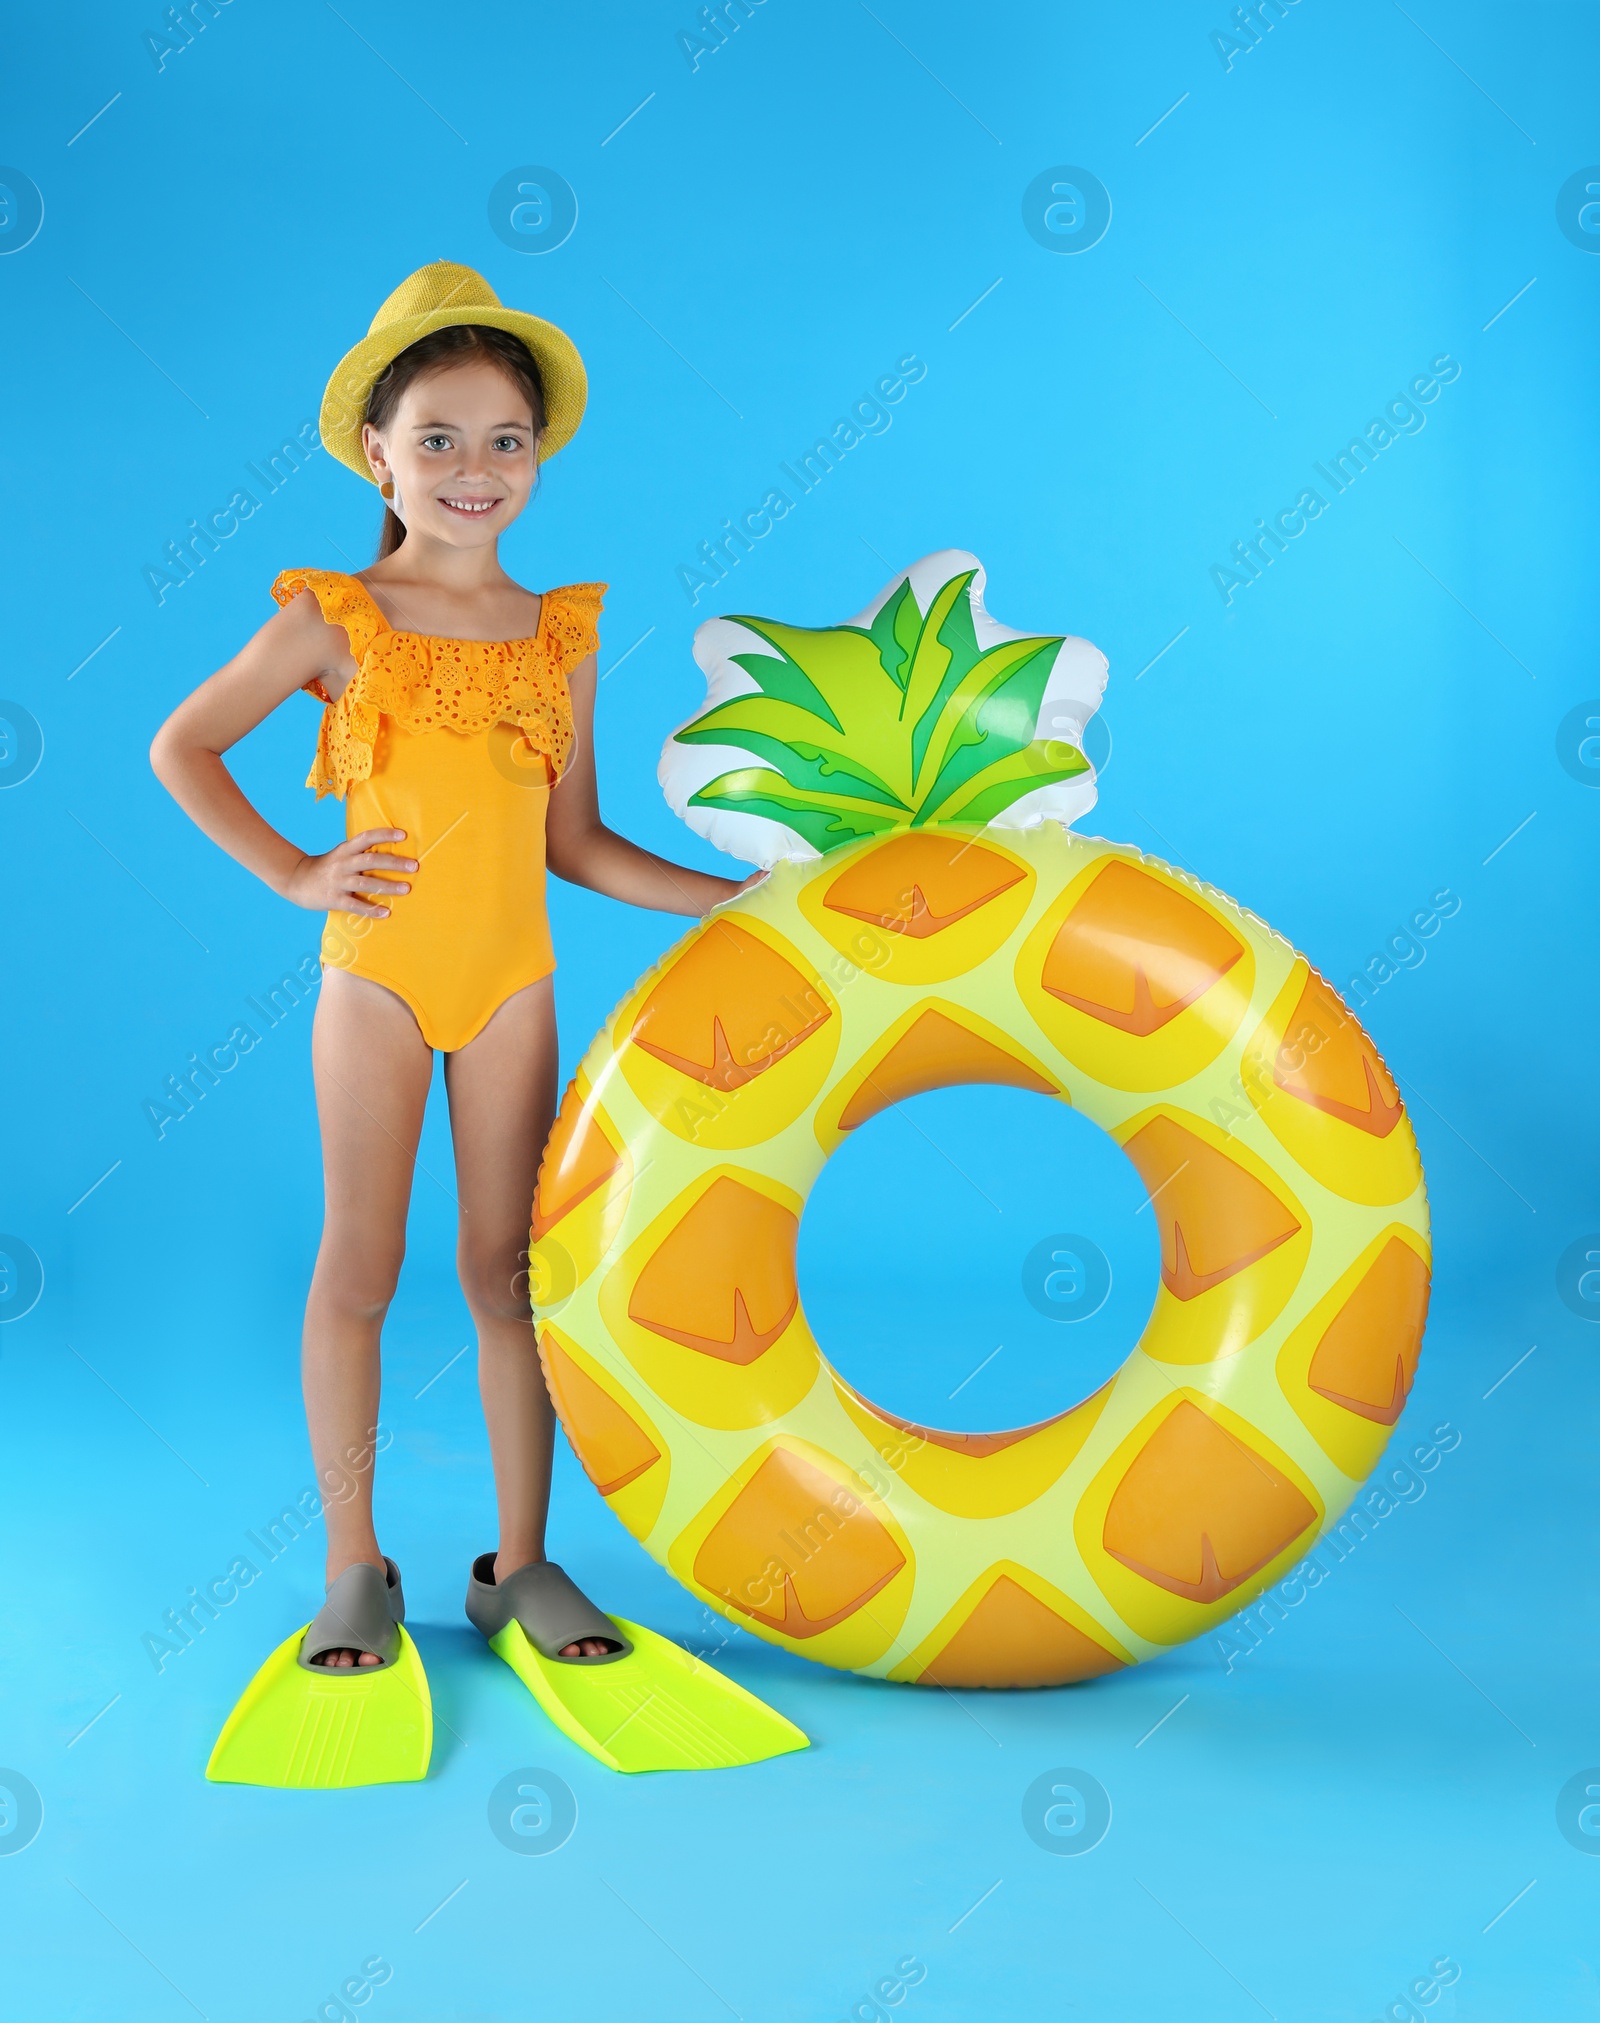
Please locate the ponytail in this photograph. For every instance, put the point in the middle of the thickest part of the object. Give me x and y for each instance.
(390, 534)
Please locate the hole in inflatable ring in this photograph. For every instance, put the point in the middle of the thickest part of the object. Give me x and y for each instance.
(978, 1259)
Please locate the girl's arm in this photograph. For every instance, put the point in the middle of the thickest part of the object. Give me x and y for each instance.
(580, 848)
(294, 647)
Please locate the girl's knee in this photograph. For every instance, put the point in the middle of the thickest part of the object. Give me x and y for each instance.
(359, 1283)
(495, 1283)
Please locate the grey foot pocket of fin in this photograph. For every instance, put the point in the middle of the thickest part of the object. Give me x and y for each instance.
(552, 1610)
(363, 1612)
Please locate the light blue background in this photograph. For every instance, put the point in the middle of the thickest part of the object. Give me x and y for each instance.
(758, 239)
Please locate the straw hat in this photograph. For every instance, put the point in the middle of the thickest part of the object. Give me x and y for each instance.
(435, 298)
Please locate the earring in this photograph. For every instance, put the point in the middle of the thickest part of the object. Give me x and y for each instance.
(386, 490)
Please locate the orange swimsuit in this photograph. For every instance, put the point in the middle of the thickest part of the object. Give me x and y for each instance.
(457, 742)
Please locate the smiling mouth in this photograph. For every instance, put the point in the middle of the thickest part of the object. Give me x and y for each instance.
(470, 508)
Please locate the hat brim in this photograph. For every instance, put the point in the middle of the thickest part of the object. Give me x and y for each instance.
(344, 404)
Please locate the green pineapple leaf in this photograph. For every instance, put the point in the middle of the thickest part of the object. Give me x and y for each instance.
(897, 722)
(895, 631)
(784, 679)
(824, 820)
(802, 764)
(945, 651)
(989, 715)
(997, 786)
(842, 667)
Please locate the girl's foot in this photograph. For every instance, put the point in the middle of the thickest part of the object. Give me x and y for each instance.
(344, 1660)
(585, 1647)
(366, 1605)
(489, 1612)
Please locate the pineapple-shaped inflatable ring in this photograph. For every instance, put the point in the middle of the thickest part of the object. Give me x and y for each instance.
(929, 920)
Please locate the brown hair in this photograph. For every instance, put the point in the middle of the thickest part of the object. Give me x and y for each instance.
(459, 344)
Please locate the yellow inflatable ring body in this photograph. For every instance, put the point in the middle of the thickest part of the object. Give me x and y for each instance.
(1280, 1165)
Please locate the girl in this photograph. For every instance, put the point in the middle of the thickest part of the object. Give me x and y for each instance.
(457, 726)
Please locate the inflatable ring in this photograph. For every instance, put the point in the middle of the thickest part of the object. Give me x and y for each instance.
(920, 952)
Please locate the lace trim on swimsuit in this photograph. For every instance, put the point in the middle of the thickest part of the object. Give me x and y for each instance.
(462, 685)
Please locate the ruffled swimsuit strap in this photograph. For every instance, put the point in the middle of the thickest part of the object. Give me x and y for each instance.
(349, 727)
(541, 701)
(569, 622)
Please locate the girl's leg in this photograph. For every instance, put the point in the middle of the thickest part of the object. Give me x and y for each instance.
(372, 1069)
(502, 1089)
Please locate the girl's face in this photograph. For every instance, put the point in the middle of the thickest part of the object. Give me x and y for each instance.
(461, 454)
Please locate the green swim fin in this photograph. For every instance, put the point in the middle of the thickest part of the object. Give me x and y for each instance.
(305, 1731)
(656, 1709)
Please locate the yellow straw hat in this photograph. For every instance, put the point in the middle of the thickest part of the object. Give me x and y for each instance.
(435, 298)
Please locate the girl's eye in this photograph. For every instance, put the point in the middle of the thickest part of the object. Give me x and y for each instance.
(436, 442)
(508, 443)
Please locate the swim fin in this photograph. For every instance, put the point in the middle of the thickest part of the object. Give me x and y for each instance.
(303, 1732)
(309, 1727)
(656, 1708)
